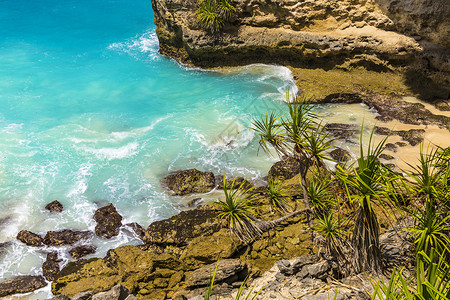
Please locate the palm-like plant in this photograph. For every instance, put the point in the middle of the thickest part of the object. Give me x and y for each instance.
(237, 209)
(297, 136)
(212, 14)
(432, 281)
(319, 195)
(366, 184)
(276, 193)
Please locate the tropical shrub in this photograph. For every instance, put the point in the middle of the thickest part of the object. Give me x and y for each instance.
(212, 14)
(276, 193)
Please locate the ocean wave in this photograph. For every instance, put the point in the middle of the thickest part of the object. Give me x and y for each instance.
(146, 43)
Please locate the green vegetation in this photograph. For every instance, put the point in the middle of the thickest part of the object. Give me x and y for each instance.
(213, 14)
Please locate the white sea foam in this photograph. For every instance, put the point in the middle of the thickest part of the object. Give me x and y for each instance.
(110, 153)
(146, 43)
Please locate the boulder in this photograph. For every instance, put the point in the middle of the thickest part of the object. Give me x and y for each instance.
(412, 136)
(285, 169)
(83, 296)
(65, 237)
(55, 207)
(29, 238)
(50, 267)
(238, 181)
(118, 292)
(21, 284)
(138, 229)
(189, 181)
(80, 251)
(226, 269)
(108, 221)
(342, 131)
(340, 155)
(183, 227)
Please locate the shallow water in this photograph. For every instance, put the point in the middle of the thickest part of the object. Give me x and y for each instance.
(90, 113)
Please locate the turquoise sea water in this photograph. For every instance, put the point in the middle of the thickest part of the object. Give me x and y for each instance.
(90, 113)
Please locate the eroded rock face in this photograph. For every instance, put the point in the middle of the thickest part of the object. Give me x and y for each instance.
(81, 251)
(225, 269)
(21, 284)
(183, 227)
(108, 221)
(285, 169)
(29, 238)
(50, 267)
(54, 206)
(65, 237)
(189, 181)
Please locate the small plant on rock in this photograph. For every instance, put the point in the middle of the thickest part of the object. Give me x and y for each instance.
(237, 209)
(212, 14)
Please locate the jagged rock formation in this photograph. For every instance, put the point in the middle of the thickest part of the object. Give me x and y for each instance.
(380, 35)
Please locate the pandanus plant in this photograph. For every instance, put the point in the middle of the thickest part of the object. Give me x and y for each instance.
(367, 184)
(298, 136)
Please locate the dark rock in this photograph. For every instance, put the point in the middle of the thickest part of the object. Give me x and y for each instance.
(391, 166)
(50, 267)
(343, 98)
(3, 247)
(319, 270)
(382, 130)
(138, 229)
(54, 206)
(21, 284)
(194, 202)
(189, 181)
(442, 105)
(83, 296)
(401, 144)
(391, 147)
(118, 292)
(60, 297)
(342, 131)
(29, 238)
(302, 261)
(391, 108)
(226, 268)
(81, 251)
(285, 267)
(285, 169)
(65, 237)
(183, 227)
(108, 221)
(340, 155)
(238, 181)
(412, 136)
(386, 156)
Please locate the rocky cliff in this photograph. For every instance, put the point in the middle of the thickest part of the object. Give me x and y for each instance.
(377, 35)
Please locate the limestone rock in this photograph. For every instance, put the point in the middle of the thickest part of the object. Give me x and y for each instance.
(80, 251)
(50, 267)
(342, 131)
(65, 237)
(183, 227)
(189, 181)
(238, 181)
(340, 155)
(83, 296)
(29, 238)
(108, 221)
(118, 292)
(285, 169)
(55, 207)
(225, 269)
(21, 284)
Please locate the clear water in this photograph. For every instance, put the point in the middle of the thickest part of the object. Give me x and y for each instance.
(90, 113)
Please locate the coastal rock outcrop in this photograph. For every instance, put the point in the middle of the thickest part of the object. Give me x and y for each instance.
(340, 155)
(29, 238)
(50, 267)
(236, 181)
(21, 284)
(380, 35)
(65, 237)
(108, 221)
(189, 181)
(55, 207)
(284, 169)
(81, 251)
